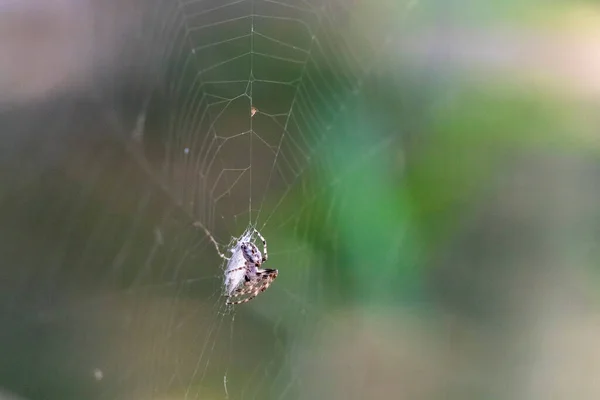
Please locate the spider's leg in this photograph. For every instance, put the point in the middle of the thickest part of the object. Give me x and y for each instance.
(232, 303)
(255, 291)
(247, 287)
(235, 269)
(265, 254)
(242, 291)
(199, 224)
(247, 266)
(255, 287)
(266, 272)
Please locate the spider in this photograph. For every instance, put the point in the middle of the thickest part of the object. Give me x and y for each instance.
(255, 279)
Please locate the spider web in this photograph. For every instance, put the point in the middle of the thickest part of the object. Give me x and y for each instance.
(248, 93)
(241, 128)
(253, 91)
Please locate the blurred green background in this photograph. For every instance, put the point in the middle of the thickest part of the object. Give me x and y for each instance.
(425, 173)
